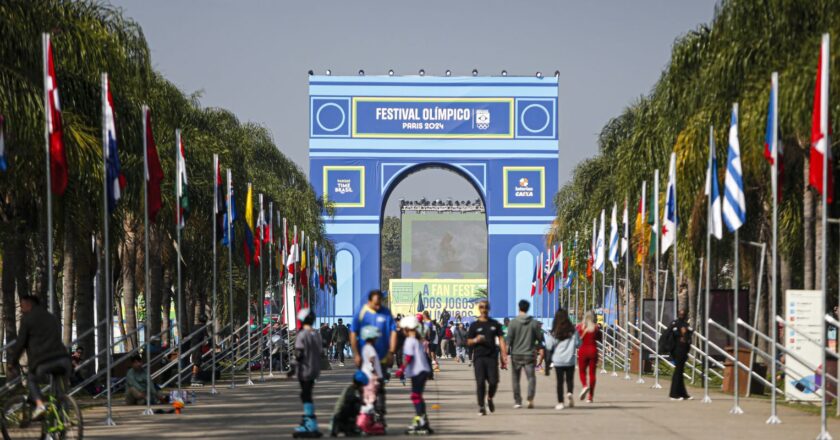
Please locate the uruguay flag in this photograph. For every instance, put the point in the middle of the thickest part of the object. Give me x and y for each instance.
(599, 244)
(715, 226)
(614, 238)
(115, 181)
(669, 222)
(734, 202)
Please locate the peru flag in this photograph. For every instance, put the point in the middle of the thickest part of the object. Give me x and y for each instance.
(58, 158)
(819, 128)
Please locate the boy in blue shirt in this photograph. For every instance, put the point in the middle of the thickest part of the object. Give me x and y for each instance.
(374, 314)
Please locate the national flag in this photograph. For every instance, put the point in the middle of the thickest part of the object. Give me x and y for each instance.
(183, 210)
(548, 278)
(600, 248)
(114, 179)
(154, 171)
(625, 238)
(248, 244)
(3, 164)
(669, 215)
(304, 281)
(292, 257)
(534, 279)
(715, 226)
(230, 213)
(614, 244)
(653, 221)
(268, 236)
(641, 232)
(820, 130)
(590, 261)
(553, 266)
(771, 138)
(734, 203)
(219, 205)
(258, 232)
(55, 130)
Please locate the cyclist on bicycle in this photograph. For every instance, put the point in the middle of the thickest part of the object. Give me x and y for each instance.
(40, 335)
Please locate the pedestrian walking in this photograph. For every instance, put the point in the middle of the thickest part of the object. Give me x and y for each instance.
(447, 341)
(523, 339)
(482, 337)
(308, 365)
(681, 333)
(340, 337)
(561, 344)
(590, 333)
(415, 367)
(460, 339)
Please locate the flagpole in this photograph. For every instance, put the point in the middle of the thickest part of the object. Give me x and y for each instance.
(640, 316)
(215, 174)
(109, 316)
(676, 241)
(248, 295)
(657, 317)
(627, 290)
(577, 283)
(45, 42)
(712, 175)
(824, 128)
(271, 287)
(233, 329)
(146, 280)
(615, 296)
(736, 408)
(261, 294)
(774, 179)
(180, 317)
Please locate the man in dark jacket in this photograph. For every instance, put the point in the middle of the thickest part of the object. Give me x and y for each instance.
(681, 334)
(40, 336)
(340, 337)
(523, 339)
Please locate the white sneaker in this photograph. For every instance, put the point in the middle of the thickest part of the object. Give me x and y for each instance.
(583, 393)
(517, 406)
(341, 364)
(570, 400)
(559, 406)
(676, 398)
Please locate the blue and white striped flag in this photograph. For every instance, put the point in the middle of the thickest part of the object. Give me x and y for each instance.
(715, 227)
(599, 244)
(734, 203)
(614, 238)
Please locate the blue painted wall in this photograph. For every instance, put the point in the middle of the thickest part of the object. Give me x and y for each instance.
(510, 157)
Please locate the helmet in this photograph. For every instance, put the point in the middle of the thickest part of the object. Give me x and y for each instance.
(306, 316)
(360, 377)
(370, 332)
(409, 322)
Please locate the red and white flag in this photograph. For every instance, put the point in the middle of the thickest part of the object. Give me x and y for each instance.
(52, 107)
(819, 128)
(154, 171)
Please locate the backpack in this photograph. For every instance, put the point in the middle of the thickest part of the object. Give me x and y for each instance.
(668, 341)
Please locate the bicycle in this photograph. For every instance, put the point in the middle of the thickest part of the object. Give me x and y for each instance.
(61, 421)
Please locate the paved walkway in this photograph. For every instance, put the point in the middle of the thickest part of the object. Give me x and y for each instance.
(622, 410)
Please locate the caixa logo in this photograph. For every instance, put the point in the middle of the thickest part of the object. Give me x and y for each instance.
(482, 119)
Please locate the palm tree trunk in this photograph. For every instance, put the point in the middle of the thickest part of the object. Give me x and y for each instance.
(818, 240)
(68, 291)
(14, 258)
(85, 271)
(166, 305)
(807, 230)
(129, 283)
(156, 284)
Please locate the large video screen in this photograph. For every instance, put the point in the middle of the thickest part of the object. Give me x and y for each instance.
(444, 245)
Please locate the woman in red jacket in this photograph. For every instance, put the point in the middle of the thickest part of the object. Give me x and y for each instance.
(590, 334)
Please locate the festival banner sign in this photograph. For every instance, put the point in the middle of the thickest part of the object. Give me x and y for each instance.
(804, 310)
(454, 295)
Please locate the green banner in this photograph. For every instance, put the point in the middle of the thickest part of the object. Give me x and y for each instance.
(435, 295)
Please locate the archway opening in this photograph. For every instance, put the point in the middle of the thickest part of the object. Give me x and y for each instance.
(434, 242)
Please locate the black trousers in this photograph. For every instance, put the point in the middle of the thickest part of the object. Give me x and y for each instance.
(678, 381)
(486, 370)
(339, 348)
(60, 367)
(565, 375)
(306, 387)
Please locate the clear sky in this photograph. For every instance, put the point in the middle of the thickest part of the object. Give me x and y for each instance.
(252, 56)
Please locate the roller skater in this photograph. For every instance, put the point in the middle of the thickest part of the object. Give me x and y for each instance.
(308, 365)
(370, 420)
(347, 408)
(416, 367)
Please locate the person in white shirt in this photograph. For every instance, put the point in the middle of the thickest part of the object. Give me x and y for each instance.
(416, 367)
(369, 421)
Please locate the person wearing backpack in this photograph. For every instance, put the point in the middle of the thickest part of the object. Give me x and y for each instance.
(680, 344)
(561, 344)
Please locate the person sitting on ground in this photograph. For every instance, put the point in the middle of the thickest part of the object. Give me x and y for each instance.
(347, 408)
(39, 336)
(135, 384)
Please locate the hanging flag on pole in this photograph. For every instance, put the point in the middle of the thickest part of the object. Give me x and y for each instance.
(534, 278)
(653, 219)
(55, 127)
(771, 142)
(115, 180)
(641, 232)
(715, 227)
(669, 216)
(259, 232)
(3, 163)
(293, 257)
(248, 245)
(219, 205)
(154, 171)
(734, 203)
(625, 238)
(590, 261)
(614, 237)
(600, 248)
(183, 209)
(230, 213)
(820, 128)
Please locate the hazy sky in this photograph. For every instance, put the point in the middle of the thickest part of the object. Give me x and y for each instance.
(252, 56)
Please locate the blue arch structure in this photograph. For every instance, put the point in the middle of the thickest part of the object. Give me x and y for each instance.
(367, 133)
